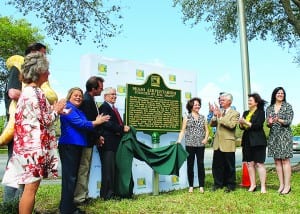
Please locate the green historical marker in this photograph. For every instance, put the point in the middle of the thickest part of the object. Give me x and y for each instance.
(153, 106)
(154, 109)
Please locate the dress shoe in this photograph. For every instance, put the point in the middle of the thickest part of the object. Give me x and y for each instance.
(285, 193)
(280, 190)
(228, 190)
(78, 211)
(215, 188)
(114, 197)
(85, 202)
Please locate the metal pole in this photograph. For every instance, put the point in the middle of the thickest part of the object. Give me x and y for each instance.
(244, 52)
(155, 176)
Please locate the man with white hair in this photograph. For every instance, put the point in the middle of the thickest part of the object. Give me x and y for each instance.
(113, 131)
(223, 166)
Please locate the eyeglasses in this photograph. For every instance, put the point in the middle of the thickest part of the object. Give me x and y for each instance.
(113, 94)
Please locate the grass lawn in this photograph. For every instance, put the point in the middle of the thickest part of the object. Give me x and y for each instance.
(3, 150)
(180, 201)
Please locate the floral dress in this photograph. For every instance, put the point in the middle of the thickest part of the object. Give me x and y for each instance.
(280, 142)
(35, 147)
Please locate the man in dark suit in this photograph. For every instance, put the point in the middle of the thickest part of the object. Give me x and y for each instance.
(223, 166)
(94, 87)
(112, 132)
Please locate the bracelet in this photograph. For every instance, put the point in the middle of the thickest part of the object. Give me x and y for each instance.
(55, 113)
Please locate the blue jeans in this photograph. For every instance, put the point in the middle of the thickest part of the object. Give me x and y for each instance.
(10, 193)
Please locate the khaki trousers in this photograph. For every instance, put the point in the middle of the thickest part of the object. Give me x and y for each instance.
(81, 190)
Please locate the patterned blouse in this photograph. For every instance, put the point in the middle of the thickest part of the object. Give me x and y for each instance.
(280, 142)
(195, 131)
(34, 155)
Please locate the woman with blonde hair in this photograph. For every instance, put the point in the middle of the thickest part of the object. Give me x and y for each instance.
(74, 130)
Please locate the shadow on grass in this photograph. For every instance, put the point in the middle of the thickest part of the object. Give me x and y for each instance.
(9, 207)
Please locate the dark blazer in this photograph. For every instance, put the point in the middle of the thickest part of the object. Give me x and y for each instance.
(111, 130)
(89, 108)
(255, 135)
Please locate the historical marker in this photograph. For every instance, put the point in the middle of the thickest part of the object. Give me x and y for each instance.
(153, 106)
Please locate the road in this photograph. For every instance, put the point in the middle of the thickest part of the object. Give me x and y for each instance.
(207, 161)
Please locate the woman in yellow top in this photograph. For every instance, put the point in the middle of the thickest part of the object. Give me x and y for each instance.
(254, 140)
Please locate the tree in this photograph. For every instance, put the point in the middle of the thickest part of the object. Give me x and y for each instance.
(296, 129)
(3, 77)
(278, 19)
(74, 18)
(15, 36)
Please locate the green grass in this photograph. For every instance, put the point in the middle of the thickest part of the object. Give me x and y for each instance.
(180, 201)
(3, 150)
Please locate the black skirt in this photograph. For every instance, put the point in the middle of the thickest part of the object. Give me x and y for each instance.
(254, 153)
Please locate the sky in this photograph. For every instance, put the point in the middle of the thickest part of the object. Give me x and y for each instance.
(153, 33)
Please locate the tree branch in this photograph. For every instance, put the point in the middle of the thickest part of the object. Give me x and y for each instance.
(291, 17)
(297, 2)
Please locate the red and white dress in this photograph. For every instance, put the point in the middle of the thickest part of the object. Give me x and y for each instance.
(35, 147)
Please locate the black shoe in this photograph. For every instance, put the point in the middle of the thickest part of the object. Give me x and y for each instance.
(85, 202)
(78, 211)
(109, 196)
(228, 190)
(215, 188)
(285, 193)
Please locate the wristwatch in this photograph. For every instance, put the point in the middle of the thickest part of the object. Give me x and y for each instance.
(55, 113)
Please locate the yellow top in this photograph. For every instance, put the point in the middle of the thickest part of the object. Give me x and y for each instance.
(248, 118)
(15, 60)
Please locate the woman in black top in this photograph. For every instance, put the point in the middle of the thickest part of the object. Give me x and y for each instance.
(254, 140)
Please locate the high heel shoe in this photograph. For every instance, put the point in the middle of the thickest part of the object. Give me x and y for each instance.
(252, 190)
(285, 193)
(280, 190)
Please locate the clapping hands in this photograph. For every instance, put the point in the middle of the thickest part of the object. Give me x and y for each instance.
(215, 109)
(272, 119)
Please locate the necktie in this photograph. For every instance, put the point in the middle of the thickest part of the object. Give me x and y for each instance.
(118, 115)
(224, 112)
